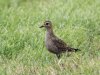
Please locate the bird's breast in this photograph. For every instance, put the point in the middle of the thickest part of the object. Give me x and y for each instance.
(50, 45)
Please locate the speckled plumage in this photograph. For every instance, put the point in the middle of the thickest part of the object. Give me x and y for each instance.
(53, 43)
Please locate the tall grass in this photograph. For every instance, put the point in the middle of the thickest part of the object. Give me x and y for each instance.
(22, 50)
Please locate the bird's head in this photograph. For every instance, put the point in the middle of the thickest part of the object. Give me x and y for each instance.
(47, 25)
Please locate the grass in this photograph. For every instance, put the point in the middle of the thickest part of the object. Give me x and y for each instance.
(22, 50)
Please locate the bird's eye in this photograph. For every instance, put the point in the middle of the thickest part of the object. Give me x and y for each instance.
(47, 23)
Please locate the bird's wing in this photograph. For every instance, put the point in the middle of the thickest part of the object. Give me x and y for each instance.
(61, 45)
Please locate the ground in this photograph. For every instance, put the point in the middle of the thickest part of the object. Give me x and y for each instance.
(22, 48)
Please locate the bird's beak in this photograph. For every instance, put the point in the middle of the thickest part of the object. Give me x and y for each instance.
(42, 26)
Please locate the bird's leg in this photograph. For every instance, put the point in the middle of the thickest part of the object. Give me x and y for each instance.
(58, 56)
(68, 54)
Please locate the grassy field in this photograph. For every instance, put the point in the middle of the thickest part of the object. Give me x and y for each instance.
(22, 49)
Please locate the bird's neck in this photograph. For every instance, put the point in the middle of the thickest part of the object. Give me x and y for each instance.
(49, 32)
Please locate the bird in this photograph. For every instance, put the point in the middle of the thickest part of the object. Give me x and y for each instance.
(53, 43)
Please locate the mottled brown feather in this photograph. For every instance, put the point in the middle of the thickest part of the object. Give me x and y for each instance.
(61, 45)
(53, 43)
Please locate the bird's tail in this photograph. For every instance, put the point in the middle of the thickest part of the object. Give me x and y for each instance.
(72, 49)
(76, 50)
